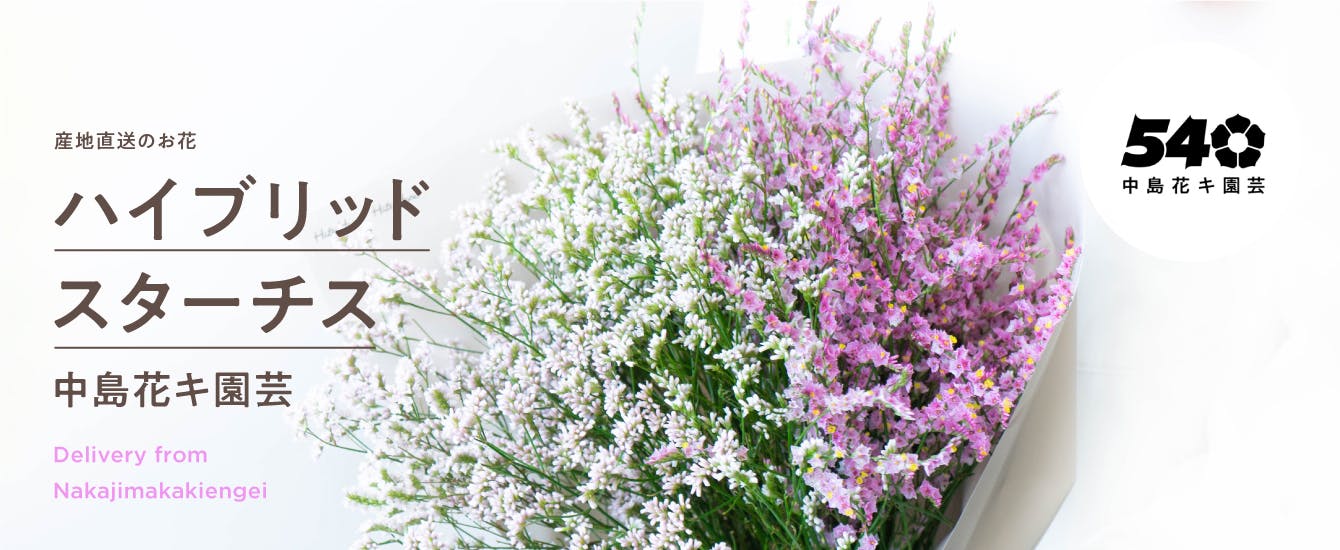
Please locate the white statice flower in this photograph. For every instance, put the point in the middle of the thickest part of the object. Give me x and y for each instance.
(603, 383)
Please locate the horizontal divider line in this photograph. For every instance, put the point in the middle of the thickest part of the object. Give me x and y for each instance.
(242, 250)
(205, 347)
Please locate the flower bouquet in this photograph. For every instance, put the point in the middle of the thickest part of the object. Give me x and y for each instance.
(779, 314)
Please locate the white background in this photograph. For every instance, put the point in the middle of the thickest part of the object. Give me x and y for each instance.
(1204, 389)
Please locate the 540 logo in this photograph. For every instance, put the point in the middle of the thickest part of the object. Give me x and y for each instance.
(1188, 142)
(1236, 143)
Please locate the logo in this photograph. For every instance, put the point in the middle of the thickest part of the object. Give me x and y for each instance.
(1240, 126)
(1188, 148)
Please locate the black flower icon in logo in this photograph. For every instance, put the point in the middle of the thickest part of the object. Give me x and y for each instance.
(1238, 124)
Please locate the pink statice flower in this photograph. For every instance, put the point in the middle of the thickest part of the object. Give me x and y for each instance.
(921, 300)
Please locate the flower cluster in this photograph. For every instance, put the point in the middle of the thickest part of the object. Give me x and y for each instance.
(778, 315)
(930, 318)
